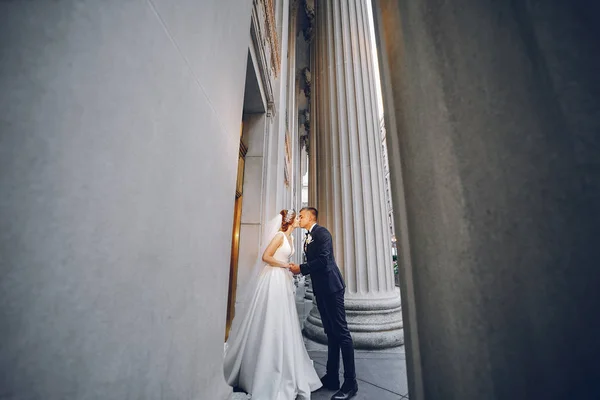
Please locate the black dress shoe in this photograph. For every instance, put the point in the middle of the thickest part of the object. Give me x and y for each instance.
(329, 382)
(347, 391)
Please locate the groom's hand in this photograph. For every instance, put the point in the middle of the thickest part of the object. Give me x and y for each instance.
(295, 268)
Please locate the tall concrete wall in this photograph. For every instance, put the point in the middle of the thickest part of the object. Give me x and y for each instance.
(119, 134)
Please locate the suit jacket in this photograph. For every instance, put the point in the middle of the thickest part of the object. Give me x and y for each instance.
(320, 263)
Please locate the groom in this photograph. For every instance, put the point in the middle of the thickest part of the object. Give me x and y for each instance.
(328, 288)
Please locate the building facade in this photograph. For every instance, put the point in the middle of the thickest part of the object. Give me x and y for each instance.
(144, 146)
(134, 135)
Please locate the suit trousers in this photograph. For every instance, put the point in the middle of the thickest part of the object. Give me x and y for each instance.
(333, 316)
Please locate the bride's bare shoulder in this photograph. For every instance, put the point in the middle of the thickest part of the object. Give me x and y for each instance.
(278, 238)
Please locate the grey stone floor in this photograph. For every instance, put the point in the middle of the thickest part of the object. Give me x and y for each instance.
(381, 374)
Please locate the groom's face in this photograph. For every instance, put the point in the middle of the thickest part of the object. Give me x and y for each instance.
(305, 219)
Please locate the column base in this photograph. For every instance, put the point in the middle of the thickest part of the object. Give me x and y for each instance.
(308, 294)
(373, 323)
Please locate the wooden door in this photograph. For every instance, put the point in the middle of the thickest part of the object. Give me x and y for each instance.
(235, 239)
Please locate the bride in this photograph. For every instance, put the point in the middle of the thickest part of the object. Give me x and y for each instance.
(265, 353)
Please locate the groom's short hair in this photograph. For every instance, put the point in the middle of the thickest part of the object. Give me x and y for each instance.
(313, 211)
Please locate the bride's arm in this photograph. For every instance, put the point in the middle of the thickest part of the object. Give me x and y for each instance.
(270, 251)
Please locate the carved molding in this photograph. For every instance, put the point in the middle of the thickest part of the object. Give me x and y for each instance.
(307, 80)
(304, 127)
(272, 36)
(293, 9)
(309, 6)
(304, 121)
(304, 115)
(309, 9)
(263, 51)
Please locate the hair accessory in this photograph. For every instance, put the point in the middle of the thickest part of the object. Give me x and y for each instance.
(288, 215)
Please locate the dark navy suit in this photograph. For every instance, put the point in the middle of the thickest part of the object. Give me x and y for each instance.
(328, 287)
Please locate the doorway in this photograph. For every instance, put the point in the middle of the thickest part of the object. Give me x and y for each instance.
(249, 188)
(235, 235)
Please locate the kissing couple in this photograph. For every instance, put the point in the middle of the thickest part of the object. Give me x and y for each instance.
(265, 354)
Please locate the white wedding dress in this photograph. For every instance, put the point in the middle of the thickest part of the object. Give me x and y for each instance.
(267, 357)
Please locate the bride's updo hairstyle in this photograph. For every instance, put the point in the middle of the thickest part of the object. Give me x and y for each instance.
(287, 219)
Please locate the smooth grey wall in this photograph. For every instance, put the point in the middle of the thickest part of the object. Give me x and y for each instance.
(493, 110)
(119, 134)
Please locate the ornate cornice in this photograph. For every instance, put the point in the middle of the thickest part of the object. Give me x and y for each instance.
(260, 44)
(272, 36)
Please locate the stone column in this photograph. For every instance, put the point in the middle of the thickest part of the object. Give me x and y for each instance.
(350, 177)
(493, 139)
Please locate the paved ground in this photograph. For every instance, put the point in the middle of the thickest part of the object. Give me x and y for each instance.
(381, 374)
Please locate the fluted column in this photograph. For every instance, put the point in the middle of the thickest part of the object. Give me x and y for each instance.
(350, 176)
